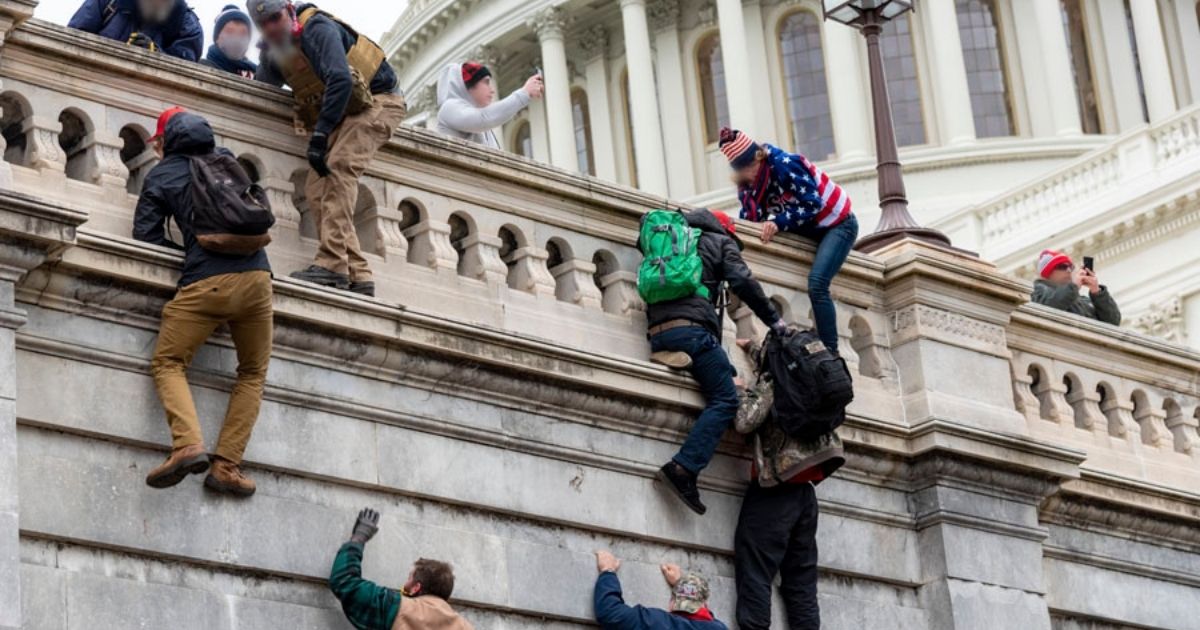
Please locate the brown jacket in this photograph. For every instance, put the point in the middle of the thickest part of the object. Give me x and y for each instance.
(428, 612)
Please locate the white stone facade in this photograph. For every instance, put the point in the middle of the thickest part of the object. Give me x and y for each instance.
(640, 67)
(1010, 467)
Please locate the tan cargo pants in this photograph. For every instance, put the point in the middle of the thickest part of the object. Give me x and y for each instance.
(352, 145)
(243, 300)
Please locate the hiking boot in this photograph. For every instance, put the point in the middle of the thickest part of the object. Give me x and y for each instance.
(317, 274)
(184, 461)
(363, 288)
(227, 477)
(682, 482)
(673, 360)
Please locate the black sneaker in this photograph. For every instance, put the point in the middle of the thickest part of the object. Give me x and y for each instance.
(682, 482)
(322, 276)
(363, 288)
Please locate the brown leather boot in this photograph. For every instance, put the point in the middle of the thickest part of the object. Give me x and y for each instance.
(227, 477)
(188, 460)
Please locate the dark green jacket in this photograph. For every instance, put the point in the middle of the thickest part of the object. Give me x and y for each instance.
(1101, 306)
(367, 605)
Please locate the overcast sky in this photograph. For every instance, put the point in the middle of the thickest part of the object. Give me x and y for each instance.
(372, 18)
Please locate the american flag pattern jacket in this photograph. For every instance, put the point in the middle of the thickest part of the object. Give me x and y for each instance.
(793, 192)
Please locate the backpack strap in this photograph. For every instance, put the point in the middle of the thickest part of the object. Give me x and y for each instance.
(108, 13)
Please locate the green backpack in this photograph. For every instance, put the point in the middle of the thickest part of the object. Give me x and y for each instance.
(671, 267)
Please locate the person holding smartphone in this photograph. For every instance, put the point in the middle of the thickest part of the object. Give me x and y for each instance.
(1059, 283)
(467, 105)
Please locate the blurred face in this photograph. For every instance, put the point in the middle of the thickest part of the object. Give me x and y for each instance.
(1061, 274)
(155, 11)
(234, 40)
(157, 145)
(483, 93)
(277, 29)
(746, 174)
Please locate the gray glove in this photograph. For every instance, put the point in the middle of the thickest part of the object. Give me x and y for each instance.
(365, 527)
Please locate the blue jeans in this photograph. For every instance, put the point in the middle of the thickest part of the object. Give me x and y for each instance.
(833, 246)
(713, 371)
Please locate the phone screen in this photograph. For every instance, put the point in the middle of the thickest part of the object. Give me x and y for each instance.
(1089, 263)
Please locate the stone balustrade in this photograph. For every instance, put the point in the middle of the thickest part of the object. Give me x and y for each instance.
(1009, 467)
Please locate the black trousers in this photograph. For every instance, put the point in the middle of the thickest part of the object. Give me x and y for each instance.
(777, 533)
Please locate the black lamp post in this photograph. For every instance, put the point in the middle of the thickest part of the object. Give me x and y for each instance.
(895, 221)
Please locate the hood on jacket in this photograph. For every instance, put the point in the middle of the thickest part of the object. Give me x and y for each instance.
(451, 85)
(188, 134)
(704, 219)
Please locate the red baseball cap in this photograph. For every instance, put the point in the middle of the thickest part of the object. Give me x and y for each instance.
(165, 118)
(726, 221)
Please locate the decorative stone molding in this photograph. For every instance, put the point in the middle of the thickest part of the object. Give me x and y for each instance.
(1052, 401)
(1163, 320)
(707, 13)
(593, 42)
(527, 271)
(1086, 407)
(106, 168)
(1119, 412)
(621, 297)
(1089, 512)
(1185, 430)
(663, 14)
(429, 245)
(1152, 421)
(480, 258)
(391, 235)
(485, 54)
(549, 23)
(42, 150)
(422, 100)
(918, 320)
(574, 284)
(281, 193)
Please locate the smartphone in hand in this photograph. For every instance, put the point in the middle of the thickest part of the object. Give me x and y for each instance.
(1089, 263)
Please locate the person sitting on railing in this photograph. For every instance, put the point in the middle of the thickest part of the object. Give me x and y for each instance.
(788, 193)
(214, 289)
(688, 607)
(1059, 284)
(466, 109)
(686, 332)
(169, 26)
(231, 42)
(420, 605)
(348, 98)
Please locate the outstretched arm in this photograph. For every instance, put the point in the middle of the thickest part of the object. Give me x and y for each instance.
(611, 609)
(461, 116)
(742, 283)
(366, 604)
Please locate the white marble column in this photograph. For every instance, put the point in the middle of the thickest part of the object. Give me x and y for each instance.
(948, 72)
(1047, 62)
(673, 106)
(1184, 13)
(759, 69)
(538, 134)
(643, 99)
(560, 122)
(739, 87)
(849, 91)
(1119, 85)
(1152, 54)
(594, 44)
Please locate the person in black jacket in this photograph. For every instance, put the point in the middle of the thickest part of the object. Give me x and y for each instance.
(214, 289)
(692, 326)
(347, 97)
(168, 26)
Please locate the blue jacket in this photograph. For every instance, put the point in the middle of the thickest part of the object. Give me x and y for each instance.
(181, 36)
(167, 194)
(612, 613)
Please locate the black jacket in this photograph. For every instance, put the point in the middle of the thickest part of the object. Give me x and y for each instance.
(325, 44)
(722, 258)
(167, 194)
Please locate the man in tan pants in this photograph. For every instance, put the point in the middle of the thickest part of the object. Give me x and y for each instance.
(214, 289)
(347, 97)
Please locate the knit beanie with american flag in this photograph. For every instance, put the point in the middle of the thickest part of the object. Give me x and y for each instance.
(738, 148)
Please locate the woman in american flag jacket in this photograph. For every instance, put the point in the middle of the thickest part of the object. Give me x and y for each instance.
(786, 192)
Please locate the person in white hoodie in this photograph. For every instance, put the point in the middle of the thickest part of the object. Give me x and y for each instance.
(467, 106)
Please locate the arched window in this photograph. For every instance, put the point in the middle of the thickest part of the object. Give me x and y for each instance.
(1137, 62)
(987, 76)
(904, 89)
(1081, 65)
(804, 78)
(712, 86)
(583, 132)
(523, 140)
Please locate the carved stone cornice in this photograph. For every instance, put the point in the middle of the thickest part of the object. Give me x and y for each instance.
(487, 55)
(422, 100)
(593, 42)
(1089, 512)
(1163, 320)
(919, 320)
(663, 14)
(549, 23)
(707, 13)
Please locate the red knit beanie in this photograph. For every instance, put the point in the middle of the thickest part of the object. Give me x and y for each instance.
(738, 148)
(473, 72)
(1049, 260)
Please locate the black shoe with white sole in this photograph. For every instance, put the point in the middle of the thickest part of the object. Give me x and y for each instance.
(682, 482)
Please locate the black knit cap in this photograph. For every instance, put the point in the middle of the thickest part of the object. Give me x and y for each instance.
(473, 72)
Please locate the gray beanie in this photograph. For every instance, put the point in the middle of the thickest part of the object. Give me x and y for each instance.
(259, 9)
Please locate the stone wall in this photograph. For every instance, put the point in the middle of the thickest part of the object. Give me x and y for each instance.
(1009, 467)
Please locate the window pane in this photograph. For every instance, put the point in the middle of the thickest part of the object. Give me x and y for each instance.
(523, 141)
(712, 87)
(987, 76)
(1137, 62)
(1081, 65)
(904, 90)
(804, 78)
(583, 132)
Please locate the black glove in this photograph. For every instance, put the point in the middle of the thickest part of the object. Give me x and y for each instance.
(318, 148)
(365, 527)
(142, 41)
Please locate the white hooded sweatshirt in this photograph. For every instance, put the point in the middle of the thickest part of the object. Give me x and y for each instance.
(459, 117)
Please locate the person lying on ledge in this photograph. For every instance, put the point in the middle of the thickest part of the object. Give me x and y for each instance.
(688, 609)
(420, 605)
(1058, 285)
(168, 26)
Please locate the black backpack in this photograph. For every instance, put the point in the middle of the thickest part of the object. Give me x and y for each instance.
(230, 213)
(812, 385)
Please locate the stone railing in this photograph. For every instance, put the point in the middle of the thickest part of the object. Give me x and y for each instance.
(496, 403)
(1105, 180)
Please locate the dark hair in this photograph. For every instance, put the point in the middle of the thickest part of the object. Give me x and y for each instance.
(435, 577)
